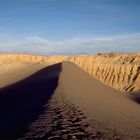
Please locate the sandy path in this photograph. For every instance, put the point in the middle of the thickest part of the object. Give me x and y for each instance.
(84, 108)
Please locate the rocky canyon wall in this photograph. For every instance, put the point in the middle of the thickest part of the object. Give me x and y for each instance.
(120, 71)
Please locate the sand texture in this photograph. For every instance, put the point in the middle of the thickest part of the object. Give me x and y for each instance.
(83, 108)
(61, 101)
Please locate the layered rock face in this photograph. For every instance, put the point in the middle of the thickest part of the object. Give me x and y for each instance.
(120, 71)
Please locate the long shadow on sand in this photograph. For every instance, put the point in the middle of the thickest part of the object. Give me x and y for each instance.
(22, 102)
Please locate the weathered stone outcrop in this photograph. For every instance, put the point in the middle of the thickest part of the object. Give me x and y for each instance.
(26, 58)
(120, 71)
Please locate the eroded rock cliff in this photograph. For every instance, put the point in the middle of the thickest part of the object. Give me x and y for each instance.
(120, 71)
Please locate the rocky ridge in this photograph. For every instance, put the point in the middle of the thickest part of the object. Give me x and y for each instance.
(120, 71)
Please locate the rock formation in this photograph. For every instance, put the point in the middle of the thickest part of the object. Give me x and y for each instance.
(120, 71)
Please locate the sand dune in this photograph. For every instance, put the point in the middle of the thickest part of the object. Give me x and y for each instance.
(41, 99)
(112, 112)
(83, 108)
(80, 107)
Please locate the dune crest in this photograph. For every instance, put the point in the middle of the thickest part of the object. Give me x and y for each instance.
(120, 71)
(61, 101)
(84, 108)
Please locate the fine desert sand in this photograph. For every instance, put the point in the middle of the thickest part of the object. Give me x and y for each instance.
(70, 97)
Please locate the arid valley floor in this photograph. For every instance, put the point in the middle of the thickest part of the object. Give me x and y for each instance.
(83, 97)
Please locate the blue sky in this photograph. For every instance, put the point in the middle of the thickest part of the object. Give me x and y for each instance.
(69, 26)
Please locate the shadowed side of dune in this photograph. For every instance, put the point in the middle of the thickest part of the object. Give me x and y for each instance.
(84, 108)
(22, 102)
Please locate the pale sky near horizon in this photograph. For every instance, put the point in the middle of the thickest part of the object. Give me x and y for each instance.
(69, 26)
